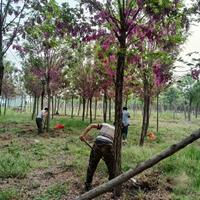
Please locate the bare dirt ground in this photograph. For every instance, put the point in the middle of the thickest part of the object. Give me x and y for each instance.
(148, 186)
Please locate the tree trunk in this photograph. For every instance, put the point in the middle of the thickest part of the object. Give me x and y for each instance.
(90, 110)
(65, 107)
(95, 109)
(72, 111)
(196, 110)
(37, 105)
(185, 112)
(189, 110)
(110, 109)
(52, 107)
(87, 108)
(48, 98)
(1, 62)
(139, 168)
(157, 109)
(83, 114)
(0, 104)
(30, 104)
(42, 97)
(118, 109)
(34, 106)
(79, 106)
(5, 106)
(58, 105)
(145, 121)
(105, 106)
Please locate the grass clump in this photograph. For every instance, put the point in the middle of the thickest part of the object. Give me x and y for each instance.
(54, 192)
(13, 165)
(8, 194)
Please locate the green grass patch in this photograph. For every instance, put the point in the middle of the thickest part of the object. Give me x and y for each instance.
(8, 194)
(54, 192)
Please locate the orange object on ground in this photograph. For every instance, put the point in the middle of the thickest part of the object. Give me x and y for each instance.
(59, 126)
(151, 136)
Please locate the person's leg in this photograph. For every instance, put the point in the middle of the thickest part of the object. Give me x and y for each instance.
(95, 157)
(125, 132)
(108, 156)
(39, 125)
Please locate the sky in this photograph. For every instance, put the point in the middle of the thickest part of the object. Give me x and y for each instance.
(192, 43)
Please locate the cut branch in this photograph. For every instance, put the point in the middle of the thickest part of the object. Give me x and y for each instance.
(139, 168)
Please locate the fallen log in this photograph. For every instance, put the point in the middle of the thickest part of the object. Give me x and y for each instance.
(139, 168)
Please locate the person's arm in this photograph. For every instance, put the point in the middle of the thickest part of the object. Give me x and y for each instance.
(91, 126)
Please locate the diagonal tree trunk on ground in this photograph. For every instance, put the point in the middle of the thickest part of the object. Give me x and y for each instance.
(140, 168)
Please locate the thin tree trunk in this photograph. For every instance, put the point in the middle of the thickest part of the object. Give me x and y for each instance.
(83, 114)
(95, 109)
(185, 112)
(58, 105)
(145, 121)
(189, 110)
(5, 106)
(90, 110)
(30, 104)
(157, 109)
(65, 107)
(48, 97)
(79, 106)
(34, 106)
(140, 167)
(37, 105)
(87, 108)
(52, 107)
(72, 111)
(0, 104)
(196, 110)
(110, 108)
(118, 109)
(105, 106)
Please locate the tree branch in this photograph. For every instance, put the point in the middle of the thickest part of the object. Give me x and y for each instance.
(139, 168)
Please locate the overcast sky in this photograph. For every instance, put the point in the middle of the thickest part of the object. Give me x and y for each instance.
(192, 43)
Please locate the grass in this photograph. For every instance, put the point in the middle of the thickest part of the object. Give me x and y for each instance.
(54, 192)
(27, 153)
(8, 194)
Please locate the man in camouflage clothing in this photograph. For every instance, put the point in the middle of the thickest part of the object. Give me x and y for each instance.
(102, 148)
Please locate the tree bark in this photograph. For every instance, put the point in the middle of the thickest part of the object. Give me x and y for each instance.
(145, 121)
(105, 106)
(34, 106)
(87, 108)
(65, 107)
(83, 114)
(196, 110)
(118, 109)
(72, 111)
(110, 108)
(79, 106)
(52, 107)
(90, 100)
(157, 109)
(189, 110)
(5, 106)
(95, 109)
(139, 168)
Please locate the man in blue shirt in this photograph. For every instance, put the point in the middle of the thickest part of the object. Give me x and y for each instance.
(125, 122)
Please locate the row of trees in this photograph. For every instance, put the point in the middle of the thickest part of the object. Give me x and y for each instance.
(113, 48)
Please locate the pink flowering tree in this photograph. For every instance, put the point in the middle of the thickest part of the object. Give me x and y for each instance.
(47, 39)
(12, 18)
